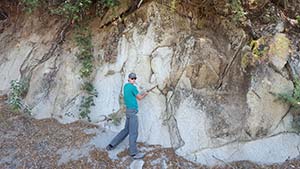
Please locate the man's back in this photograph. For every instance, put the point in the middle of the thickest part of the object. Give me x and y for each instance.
(130, 93)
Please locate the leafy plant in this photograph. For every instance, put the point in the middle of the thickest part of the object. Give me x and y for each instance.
(239, 15)
(30, 5)
(17, 90)
(86, 103)
(298, 19)
(109, 3)
(116, 118)
(70, 9)
(73, 10)
(259, 49)
(88, 100)
(83, 40)
(89, 88)
(293, 99)
(173, 5)
(258, 54)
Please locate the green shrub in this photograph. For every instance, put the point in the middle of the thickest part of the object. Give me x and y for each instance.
(30, 5)
(17, 90)
(73, 10)
(109, 3)
(239, 15)
(116, 118)
(258, 54)
(86, 103)
(293, 99)
(76, 10)
(298, 20)
(89, 88)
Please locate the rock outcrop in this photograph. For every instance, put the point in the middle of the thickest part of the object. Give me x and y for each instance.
(205, 106)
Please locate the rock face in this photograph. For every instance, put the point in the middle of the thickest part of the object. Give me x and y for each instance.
(279, 50)
(205, 106)
(263, 119)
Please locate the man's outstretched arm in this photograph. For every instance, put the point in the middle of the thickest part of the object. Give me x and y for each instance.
(141, 96)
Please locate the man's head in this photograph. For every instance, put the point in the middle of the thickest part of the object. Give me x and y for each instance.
(132, 77)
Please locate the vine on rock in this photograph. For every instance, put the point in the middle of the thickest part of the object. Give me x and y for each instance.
(83, 39)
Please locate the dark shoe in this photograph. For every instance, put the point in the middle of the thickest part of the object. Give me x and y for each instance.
(138, 156)
(109, 147)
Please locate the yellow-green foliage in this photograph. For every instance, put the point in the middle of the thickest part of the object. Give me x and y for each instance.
(298, 20)
(238, 11)
(116, 118)
(173, 5)
(259, 49)
(258, 54)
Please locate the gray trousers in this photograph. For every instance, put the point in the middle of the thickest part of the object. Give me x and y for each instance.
(131, 128)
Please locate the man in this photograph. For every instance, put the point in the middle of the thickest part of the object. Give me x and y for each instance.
(131, 95)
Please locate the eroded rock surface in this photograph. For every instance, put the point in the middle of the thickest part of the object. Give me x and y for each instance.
(205, 103)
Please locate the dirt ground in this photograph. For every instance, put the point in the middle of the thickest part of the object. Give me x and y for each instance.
(29, 143)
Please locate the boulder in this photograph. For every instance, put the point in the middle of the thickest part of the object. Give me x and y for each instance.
(279, 50)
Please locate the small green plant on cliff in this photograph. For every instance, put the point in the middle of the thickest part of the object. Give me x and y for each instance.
(17, 90)
(87, 101)
(239, 15)
(73, 10)
(298, 20)
(30, 5)
(173, 5)
(76, 10)
(85, 105)
(83, 39)
(89, 88)
(257, 55)
(109, 3)
(116, 118)
(293, 99)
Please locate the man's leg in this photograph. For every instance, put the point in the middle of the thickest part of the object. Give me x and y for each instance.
(121, 136)
(133, 133)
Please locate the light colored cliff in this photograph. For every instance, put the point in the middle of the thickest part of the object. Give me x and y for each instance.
(205, 106)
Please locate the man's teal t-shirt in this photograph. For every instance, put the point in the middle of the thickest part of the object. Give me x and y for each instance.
(130, 92)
